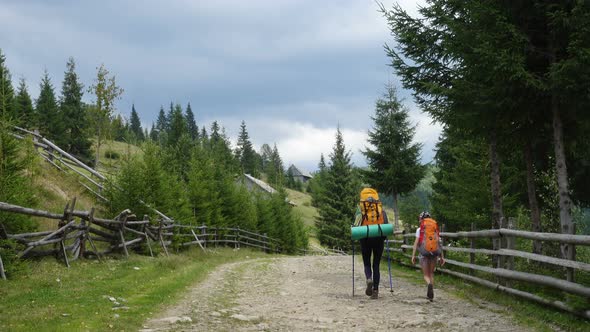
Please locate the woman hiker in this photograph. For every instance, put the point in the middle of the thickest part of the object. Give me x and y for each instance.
(428, 246)
(370, 212)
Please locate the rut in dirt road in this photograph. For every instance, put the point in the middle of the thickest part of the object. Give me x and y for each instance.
(315, 293)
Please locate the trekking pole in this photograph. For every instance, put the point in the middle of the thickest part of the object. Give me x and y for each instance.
(352, 268)
(389, 266)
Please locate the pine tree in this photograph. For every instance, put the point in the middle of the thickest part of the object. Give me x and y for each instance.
(245, 153)
(15, 184)
(135, 125)
(24, 107)
(75, 131)
(338, 204)
(6, 91)
(274, 169)
(203, 194)
(192, 127)
(177, 126)
(394, 166)
(50, 119)
(161, 124)
(153, 133)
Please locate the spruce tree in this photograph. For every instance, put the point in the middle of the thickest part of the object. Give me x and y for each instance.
(24, 107)
(336, 212)
(394, 166)
(204, 196)
(192, 127)
(6, 91)
(161, 124)
(245, 153)
(73, 112)
(177, 126)
(50, 120)
(135, 125)
(16, 185)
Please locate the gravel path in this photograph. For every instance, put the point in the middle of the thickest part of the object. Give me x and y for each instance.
(313, 293)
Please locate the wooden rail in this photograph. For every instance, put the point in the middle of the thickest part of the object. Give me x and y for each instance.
(78, 230)
(505, 270)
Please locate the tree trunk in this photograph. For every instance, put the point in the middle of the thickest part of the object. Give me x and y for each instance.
(395, 211)
(496, 189)
(532, 195)
(565, 215)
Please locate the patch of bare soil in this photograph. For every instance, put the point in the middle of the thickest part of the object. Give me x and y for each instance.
(314, 293)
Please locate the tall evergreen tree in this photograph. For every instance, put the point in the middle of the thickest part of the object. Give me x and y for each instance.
(24, 106)
(6, 90)
(275, 170)
(76, 133)
(338, 204)
(394, 166)
(192, 127)
(50, 120)
(177, 126)
(245, 153)
(135, 125)
(161, 122)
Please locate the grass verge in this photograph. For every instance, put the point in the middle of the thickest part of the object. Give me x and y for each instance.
(113, 295)
(528, 313)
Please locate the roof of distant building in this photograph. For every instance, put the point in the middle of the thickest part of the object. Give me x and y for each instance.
(301, 171)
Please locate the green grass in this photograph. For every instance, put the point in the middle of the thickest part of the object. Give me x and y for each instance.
(528, 313)
(304, 209)
(53, 298)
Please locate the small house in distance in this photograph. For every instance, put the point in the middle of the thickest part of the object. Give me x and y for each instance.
(299, 174)
(253, 183)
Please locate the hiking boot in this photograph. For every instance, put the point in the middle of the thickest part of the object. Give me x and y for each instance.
(369, 290)
(430, 292)
(375, 294)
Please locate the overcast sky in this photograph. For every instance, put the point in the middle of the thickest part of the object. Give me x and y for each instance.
(294, 70)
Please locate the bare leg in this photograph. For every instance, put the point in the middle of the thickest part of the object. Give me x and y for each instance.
(424, 263)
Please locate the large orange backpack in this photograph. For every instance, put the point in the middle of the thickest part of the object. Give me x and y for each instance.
(371, 207)
(429, 236)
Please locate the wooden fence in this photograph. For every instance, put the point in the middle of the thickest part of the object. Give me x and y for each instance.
(500, 276)
(78, 233)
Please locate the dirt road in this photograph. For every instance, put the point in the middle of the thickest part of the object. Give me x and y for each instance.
(313, 293)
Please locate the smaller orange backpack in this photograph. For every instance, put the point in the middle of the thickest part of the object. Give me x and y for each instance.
(429, 236)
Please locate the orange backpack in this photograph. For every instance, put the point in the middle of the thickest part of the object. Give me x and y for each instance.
(371, 207)
(429, 236)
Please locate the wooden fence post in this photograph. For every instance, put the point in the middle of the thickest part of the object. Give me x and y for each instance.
(87, 233)
(204, 235)
(570, 272)
(472, 246)
(237, 246)
(2, 274)
(121, 236)
(146, 218)
(161, 238)
(215, 236)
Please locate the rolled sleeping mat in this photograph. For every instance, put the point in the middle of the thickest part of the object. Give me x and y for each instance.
(361, 232)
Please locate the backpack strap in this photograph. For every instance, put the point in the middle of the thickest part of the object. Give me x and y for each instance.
(365, 214)
(421, 237)
(367, 231)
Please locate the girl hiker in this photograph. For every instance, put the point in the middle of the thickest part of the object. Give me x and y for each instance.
(370, 212)
(427, 243)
